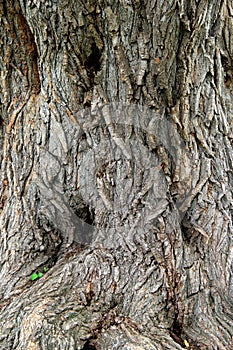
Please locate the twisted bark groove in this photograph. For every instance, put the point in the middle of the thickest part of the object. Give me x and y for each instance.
(135, 273)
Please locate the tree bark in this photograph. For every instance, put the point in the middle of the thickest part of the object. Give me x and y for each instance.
(132, 221)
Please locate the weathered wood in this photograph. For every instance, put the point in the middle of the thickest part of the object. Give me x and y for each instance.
(118, 113)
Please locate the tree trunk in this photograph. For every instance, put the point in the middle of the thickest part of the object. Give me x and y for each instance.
(116, 174)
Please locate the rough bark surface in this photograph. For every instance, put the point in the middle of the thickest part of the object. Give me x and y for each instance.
(144, 279)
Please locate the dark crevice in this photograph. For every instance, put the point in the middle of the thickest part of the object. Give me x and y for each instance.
(178, 335)
(88, 346)
(186, 233)
(81, 208)
(227, 67)
(92, 62)
(28, 41)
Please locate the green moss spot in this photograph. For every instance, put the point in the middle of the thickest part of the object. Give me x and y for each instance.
(34, 276)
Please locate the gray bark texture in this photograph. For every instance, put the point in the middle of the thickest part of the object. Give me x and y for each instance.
(79, 194)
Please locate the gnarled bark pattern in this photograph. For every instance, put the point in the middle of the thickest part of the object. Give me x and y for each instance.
(149, 276)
